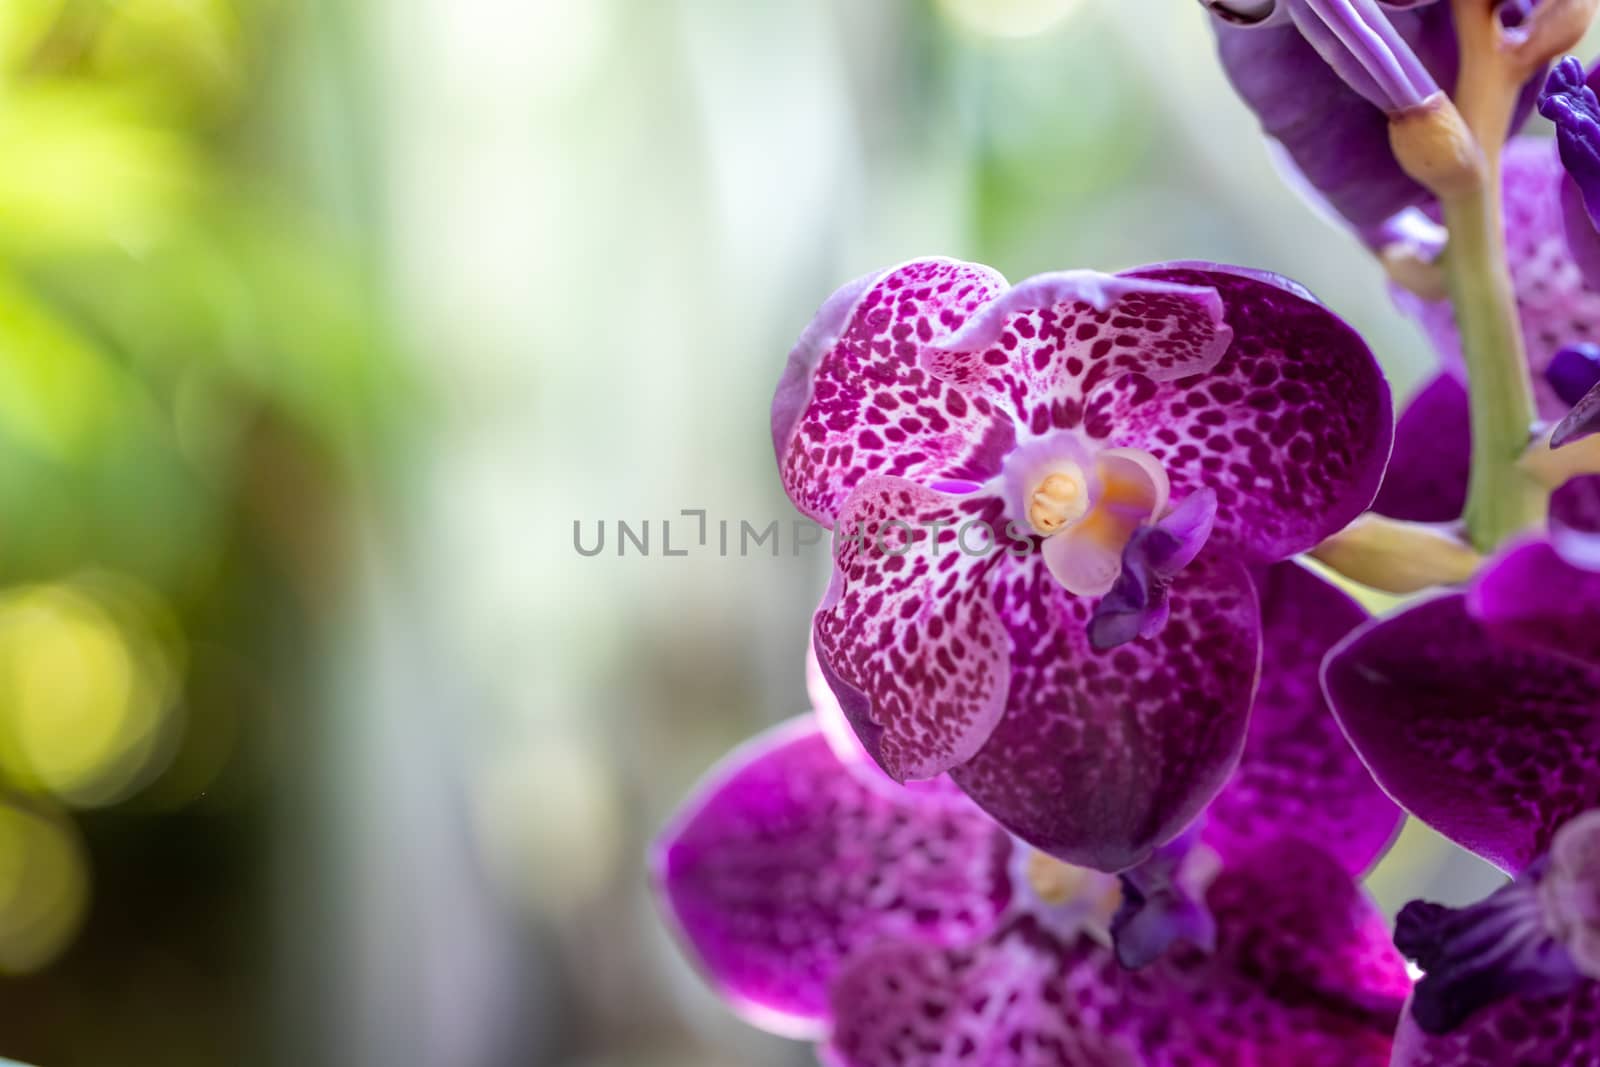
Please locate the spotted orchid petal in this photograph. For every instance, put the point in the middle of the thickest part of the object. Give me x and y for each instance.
(1302, 973)
(1102, 756)
(1556, 306)
(1557, 1031)
(856, 401)
(847, 747)
(1299, 777)
(1533, 598)
(933, 370)
(1291, 429)
(784, 865)
(1492, 744)
(1428, 470)
(906, 635)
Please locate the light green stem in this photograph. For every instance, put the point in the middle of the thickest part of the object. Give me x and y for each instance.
(1501, 499)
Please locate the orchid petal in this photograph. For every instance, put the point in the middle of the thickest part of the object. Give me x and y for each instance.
(1102, 756)
(1299, 777)
(784, 866)
(1337, 138)
(1555, 1031)
(1493, 745)
(855, 399)
(847, 747)
(905, 635)
(1043, 347)
(1428, 470)
(1533, 598)
(1302, 974)
(1291, 429)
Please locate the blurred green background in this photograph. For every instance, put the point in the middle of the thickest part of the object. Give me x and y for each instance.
(321, 324)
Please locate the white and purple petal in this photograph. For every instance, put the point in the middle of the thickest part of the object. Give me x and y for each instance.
(1102, 756)
(1299, 777)
(784, 866)
(1291, 429)
(906, 635)
(856, 399)
(1043, 348)
(1493, 745)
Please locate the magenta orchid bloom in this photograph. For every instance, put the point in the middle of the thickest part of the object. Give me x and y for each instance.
(1021, 477)
(902, 927)
(1479, 712)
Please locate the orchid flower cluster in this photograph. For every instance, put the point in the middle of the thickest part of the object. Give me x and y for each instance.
(1096, 759)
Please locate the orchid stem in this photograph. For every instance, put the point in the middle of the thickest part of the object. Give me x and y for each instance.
(1501, 499)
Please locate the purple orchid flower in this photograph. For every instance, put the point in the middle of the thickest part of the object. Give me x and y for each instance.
(932, 400)
(1324, 77)
(1479, 712)
(901, 927)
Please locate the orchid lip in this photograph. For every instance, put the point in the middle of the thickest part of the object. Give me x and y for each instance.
(1537, 936)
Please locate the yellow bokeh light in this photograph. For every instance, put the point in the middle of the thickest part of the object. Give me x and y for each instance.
(44, 887)
(85, 692)
(1008, 18)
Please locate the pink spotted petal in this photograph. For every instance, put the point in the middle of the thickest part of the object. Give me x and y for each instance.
(1102, 756)
(1042, 348)
(905, 635)
(847, 747)
(1493, 745)
(1557, 306)
(856, 398)
(1532, 597)
(1291, 429)
(1303, 975)
(1559, 1031)
(1299, 777)
(783, 866)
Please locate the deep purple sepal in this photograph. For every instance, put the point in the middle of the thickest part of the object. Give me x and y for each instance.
(1482, 954)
